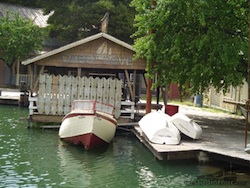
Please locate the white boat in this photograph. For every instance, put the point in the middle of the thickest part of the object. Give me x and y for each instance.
(244, 112)
(247, 149)
(89, 123)
(155, 127)
(186, 125)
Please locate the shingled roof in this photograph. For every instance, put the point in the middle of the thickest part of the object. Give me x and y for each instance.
(33, 14)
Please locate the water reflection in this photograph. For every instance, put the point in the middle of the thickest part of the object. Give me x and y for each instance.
(72, 170)
(85, 168)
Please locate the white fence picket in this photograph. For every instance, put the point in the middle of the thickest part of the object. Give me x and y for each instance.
(56, 93)
(41, 98)
(99, 89)
(67, 100)
(54, 106)
(80, 88)
(48, 85)
(61, 95)
(118, 98)
(86, 89)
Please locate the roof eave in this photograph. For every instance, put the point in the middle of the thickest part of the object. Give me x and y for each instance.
(77, 43)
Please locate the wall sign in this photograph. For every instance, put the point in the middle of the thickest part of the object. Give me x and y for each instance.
(96, 59)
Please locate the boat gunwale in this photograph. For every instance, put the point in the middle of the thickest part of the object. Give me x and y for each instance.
(93, 108)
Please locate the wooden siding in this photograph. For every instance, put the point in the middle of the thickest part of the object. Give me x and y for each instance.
(56, 93)
(100, 53)
(230, 101)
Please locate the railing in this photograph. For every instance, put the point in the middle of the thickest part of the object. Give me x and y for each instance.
(32, 105)
(24, 78)
(127, 109)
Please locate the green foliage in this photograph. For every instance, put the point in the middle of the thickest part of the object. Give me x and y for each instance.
(200, 43)
(29, 3)
(18, 38)
(77, 19)
(121, 21)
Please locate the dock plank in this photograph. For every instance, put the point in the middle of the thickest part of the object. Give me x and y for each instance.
(10, 100)
(227, 144)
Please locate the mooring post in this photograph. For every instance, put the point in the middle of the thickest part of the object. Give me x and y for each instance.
(23, 101)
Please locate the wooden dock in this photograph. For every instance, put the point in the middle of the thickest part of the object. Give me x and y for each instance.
(13, 96)
(220, 141)
(119, 125)
(9, 100)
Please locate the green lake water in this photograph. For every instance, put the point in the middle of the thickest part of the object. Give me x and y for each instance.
(38, 158)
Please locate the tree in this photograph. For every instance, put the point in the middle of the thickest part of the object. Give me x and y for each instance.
(77, 19)
(202, 43)
(121, 21)
(33, 3)
(18, 38)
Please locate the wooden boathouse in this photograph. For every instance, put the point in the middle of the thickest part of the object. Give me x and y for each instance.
(97, 67)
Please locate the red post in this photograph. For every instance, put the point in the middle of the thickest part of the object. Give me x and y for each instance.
(148, 96)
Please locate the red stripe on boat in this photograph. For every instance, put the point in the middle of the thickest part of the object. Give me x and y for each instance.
(89, 141)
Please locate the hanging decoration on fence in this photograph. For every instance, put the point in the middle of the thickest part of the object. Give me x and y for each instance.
(56, 93)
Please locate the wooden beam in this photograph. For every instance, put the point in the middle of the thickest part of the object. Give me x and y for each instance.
(138, 64)
(31, 73)
(129, 85)
(35, 88)
(148, 96)
(144, 78)
(134, 84)
(46, 118)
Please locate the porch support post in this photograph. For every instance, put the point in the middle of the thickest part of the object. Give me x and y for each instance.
(134, 84)
(31, 73)
(17, 73)
(129, 85)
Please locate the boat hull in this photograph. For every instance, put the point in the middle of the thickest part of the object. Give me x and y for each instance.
(186, 125)
(155, 127)
(90, 130)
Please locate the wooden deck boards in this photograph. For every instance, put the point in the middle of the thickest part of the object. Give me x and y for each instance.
(218, 143)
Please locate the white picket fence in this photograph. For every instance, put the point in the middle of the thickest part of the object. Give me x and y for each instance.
(56, 93)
